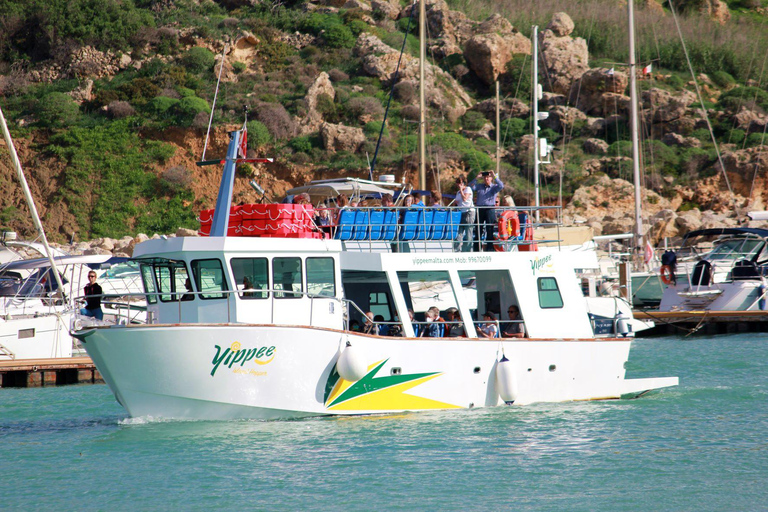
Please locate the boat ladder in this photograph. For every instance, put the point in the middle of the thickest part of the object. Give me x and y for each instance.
(4, 352)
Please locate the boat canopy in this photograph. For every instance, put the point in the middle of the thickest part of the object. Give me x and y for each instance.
(348, 186)
(94, 261)
(726, 231)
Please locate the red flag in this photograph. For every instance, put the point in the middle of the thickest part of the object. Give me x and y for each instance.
(647, 69)
(243, 148)
(648, 256)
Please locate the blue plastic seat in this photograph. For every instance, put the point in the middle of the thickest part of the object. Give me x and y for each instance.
(377, 224)
(439, 225)
(408, 230)
(390, 225)
(361, 225)
(453, 230)
(424, 223)
(346, 225)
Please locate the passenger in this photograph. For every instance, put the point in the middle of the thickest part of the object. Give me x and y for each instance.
(354, 326)
(363, 204)
(485, 197)
(435, 199)
(382, 329)
(466, 224)
(432, 328)
(513, 328)
(353, 203)
(190, 295)
(302, 198)
(396, 329)
(416, 327)
(92, 294)
(323, 220)
(488, 329)
(247, 285)
(452, 328)
(417, 202)
(369, 327)
(408, 201)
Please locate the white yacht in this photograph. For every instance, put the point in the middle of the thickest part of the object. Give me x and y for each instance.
(263, 327)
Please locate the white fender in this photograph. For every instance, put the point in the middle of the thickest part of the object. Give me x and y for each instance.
(351, 364)
(622, 324)
(506, 380)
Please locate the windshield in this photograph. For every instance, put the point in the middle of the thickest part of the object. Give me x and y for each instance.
(735, 249)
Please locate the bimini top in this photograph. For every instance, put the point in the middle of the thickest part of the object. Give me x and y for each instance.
(348, 186)
(94, 261)
(727, 231)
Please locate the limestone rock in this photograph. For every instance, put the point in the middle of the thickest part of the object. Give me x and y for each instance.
(688, 221)
(312, 121)
(562, 118)
(443, 92)
(595, 146)
(563, 58)
(660, 106)
(675, 139)
(388, 8)
(588, 92)
(510, 107)
(83, 93)
(337, 137)
(186, 232)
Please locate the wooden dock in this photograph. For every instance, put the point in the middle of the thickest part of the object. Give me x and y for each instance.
(29, 373)
(704, 322)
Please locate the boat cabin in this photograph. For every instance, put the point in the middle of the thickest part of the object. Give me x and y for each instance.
(314, 282)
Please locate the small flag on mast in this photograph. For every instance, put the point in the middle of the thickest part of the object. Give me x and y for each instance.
(648, 255)
(611, 72)
(647, 69)
(243, 147)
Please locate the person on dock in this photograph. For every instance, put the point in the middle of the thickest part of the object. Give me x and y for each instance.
(93, 293)
(485, 197)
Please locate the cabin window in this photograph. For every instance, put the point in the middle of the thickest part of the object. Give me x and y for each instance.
(549, 293)
(321, 277)
(251, 274)
(149, 283)
(286, 276)
(209, 278)
(378, 304)
(171, 278)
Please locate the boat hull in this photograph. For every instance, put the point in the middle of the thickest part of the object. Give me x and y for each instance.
(226, 371)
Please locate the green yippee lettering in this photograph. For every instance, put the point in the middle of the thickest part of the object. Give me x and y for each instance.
(217, 359)
(270, 351)
(249, 356)
(260, 352)
(239, 356)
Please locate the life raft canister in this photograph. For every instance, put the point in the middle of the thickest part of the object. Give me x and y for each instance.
(509, 225)
(666, 274)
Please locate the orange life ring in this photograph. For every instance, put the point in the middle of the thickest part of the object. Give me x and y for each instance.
(509, 225)
(667, 277)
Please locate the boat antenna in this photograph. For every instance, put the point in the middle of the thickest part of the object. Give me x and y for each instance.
(215, 95)
(31, 202)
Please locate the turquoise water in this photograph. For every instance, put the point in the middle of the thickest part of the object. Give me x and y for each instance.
(700, 446)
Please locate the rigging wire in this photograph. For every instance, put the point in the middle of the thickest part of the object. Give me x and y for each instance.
(701, 101)
(215, 95)
(391, 91)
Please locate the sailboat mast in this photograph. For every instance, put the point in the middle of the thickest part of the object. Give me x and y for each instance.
(30, 201)
(498, 131)
(535, 105)
(634, 129)
(422, 96)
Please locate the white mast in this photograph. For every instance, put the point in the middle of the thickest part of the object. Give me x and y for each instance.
(422, 96)
(638, 239)
(535, 105)
(498, 132)
(30, 201)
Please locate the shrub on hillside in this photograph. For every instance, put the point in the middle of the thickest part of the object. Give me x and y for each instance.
(177, 177)
(406, 92)
(513, 128)
(723, 79)
(473, 120)
(301, 144)
(57, 110)
(120, 110)
(362, 105)
(161, 106)
(748, 97)
(187, 108)
(258, 135)
(337, 75)
(277, 120)
(198, 59)
(373, 129)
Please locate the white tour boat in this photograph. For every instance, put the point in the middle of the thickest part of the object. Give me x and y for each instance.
(266, 330)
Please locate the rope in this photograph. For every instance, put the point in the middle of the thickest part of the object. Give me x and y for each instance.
(215, 95)
(391, 91)
(701, 102)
